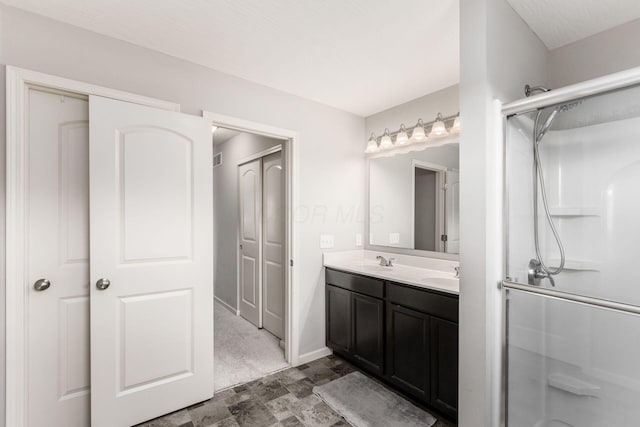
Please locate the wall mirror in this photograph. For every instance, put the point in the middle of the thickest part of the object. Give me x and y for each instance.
(414, 200)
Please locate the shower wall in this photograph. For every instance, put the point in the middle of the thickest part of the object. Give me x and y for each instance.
(571, 364)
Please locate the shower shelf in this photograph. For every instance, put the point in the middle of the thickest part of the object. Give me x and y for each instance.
(569, 211)
(576, 264)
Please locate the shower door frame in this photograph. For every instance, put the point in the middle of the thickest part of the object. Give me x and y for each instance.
(597, 86)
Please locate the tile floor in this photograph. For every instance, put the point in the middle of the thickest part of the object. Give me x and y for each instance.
(281, 399)
(242, 352)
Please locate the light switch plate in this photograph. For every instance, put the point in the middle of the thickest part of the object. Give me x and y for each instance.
(326, 241)
(358, 239)
(394, 238)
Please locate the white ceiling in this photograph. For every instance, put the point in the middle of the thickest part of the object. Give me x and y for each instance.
(560, 22)
(361, 56)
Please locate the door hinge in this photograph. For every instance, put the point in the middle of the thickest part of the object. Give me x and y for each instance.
(443, 237)
(290, 263)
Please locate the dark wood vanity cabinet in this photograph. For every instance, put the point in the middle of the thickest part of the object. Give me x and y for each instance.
(406, 336)
(338, 304)
(355, 318)
(444, 366)
(368, 331)
(408, 348)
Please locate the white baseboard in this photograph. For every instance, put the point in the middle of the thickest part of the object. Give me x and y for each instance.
(313, 355)
(228, 307)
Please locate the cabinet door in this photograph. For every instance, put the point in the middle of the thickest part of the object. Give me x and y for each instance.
(408, 350)
(338, 309)
(368, 331)
(444, 366)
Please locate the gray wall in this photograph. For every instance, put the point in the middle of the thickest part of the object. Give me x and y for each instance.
(607, 52)
(225, 210)
(445, 101)
(330, 200)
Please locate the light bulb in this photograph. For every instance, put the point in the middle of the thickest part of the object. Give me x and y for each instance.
(438, 129)
(456, 125)
(402, 138)
(418, 132)
(372, 144)
(385, 141)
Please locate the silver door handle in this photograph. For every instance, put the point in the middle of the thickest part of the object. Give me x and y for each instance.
(42, 285)
(102, 284)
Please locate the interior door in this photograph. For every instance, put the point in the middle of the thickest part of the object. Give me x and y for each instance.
(453, 212)
(151, 251)
(58, 260)
(273, 263)
(250, 229)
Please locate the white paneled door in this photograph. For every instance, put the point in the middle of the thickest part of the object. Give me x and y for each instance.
(151, 273)
(58, 260)
(453, 212)
(273, 220)
(250, 229)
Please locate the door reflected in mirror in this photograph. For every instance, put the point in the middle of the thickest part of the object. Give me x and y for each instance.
(414, 200)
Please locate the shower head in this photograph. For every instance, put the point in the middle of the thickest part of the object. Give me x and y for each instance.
(532, 90)
(558, 109)
(569, 106)
(547, 124)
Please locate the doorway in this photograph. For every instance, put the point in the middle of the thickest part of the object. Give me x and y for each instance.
(250, 272)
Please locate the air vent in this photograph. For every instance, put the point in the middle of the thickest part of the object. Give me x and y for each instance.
(217, 160)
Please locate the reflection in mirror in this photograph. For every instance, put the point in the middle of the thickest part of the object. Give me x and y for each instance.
(414, 200)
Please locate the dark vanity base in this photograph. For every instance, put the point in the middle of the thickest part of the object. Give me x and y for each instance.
(406, 336)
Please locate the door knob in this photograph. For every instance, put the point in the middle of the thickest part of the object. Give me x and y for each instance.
(102, 284)
(41, 285)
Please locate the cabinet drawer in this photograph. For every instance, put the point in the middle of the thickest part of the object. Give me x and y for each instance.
(353, 282)
(442, 306)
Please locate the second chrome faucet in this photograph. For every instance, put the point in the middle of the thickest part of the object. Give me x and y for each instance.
(384, 261)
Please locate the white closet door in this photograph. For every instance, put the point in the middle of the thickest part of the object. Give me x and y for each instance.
(273, 264)
(250, 228)
(152, 239)
(58, 251)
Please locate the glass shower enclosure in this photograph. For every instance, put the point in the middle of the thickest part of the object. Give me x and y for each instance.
(572, 299)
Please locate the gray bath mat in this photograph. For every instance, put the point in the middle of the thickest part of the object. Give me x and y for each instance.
(365, 403)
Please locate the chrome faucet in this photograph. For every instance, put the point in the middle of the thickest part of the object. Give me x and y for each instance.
(537, 272)
(457, 269)
(385, 262)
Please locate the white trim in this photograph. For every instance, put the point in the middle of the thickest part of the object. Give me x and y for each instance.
(572, 92)
(18, 81)
(292, 162)
(48, 81)
(261, 154)
(313, 355)
(227, 306)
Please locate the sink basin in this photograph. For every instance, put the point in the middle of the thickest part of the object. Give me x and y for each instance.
(377, 268)
(441, 281)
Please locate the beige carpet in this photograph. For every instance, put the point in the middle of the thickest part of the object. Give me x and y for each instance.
(242, 352)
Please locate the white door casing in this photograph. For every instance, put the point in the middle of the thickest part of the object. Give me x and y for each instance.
(58, 251)
(250, 237)
(152, 238)
(453, 211)
(273, 238)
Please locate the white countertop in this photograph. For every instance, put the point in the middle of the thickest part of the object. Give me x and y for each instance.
(428, 273)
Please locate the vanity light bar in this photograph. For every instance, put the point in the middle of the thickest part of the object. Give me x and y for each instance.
(452, 122)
